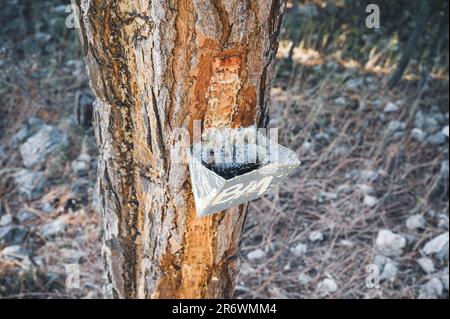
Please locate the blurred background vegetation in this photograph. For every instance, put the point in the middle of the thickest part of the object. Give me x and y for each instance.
(417, 30)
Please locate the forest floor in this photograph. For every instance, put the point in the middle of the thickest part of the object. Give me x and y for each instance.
(369, 204)
(370, 164)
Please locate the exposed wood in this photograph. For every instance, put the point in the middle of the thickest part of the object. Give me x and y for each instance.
(156, 66)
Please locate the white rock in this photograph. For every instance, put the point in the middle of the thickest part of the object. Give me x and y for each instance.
(442, 221)
(416, 222)
(39, 146)
(327, 286)
(347, 243)
(370, 201)
(437, 139)
(353, 174)
(345, 189)
(418, 135)
(369, 176)
(53, 228)
(340, 101)
(80, 168)
(5, 220)
(365, 189)
(433, 289)
(299, 250)
(445, 131)
(24, 215)
(431, 213)
(307, 148)
(438, 246)
(81, 165)
(391, 108)
(426, 264)
(42, 37)
(419, 120)
(396, 126)
(354, 84)
(256, 254)
(324, 137)
(398, 136)
(329, 195)
(61, 9)
(340, 151)
(390, 244)
(47, 208)
(315, 236)
(390, 271)
(84, 157)
(304, 279)
(246, 269)
(431, 126)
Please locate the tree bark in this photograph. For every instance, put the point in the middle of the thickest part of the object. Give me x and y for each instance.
(413, 43)
(156, 66)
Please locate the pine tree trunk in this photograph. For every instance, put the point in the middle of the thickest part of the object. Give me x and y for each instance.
(156, 66)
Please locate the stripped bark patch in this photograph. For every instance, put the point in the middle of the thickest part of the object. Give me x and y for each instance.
(223, 91)
(202, 74)
(198, 254)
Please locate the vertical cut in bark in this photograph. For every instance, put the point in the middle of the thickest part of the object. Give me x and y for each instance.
(155, 67)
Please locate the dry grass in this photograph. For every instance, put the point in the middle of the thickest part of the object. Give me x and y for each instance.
(408, 174)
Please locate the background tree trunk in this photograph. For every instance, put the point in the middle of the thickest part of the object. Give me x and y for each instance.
(156, 66)
(412, 44)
